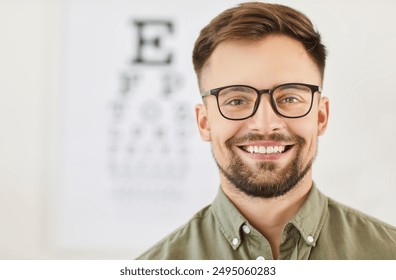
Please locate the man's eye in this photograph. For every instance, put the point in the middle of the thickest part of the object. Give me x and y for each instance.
(236, 102)
(290, 100)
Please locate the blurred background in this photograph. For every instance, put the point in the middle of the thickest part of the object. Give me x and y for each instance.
(99, 152)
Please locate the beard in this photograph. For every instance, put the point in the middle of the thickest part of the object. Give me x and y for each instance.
(278, 181)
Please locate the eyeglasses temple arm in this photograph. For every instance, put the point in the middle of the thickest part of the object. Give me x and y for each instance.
(205, 93)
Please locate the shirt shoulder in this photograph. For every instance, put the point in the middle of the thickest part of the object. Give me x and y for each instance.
(211, 234)
(353, 216)
(184, 242)
(351, 234)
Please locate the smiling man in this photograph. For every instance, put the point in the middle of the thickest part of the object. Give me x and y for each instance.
(260, 69)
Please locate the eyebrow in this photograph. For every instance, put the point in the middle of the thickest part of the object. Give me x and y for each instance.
(243, 88)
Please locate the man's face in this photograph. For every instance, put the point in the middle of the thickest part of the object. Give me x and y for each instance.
(244, 149)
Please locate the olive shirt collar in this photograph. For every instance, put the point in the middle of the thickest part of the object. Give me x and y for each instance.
(308, 221)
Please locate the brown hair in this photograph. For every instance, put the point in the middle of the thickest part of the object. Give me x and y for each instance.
(252, 22)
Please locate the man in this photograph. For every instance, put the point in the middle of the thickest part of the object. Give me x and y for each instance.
(260, 69)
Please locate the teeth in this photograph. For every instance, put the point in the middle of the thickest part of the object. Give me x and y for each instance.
(265, 150)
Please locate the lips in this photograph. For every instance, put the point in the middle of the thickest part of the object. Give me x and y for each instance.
(265, 147)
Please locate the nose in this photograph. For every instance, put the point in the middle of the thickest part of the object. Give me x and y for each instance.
(266, 120)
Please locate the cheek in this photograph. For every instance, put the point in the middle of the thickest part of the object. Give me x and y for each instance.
(221, 129)
(307, 129)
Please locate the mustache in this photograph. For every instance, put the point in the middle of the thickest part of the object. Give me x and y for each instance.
(277, 137)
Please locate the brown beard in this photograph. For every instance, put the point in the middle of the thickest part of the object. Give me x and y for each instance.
(279, 182)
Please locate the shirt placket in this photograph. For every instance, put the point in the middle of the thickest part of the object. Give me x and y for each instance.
(256, 244)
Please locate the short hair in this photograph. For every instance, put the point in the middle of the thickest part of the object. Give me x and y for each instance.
(250, 22)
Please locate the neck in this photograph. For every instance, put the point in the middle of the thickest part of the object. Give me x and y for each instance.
(269, 215)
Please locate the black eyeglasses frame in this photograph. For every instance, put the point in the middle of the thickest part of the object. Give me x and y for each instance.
(215, 92)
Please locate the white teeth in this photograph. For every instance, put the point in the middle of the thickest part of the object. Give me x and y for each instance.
(265, 150)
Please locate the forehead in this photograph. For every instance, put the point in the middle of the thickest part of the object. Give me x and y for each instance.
(263, 64)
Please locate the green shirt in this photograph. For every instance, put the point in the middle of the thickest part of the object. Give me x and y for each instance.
(321, 229)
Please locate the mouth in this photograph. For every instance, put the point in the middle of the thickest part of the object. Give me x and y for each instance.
(266, 150)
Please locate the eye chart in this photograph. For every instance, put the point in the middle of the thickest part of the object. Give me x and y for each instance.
(133, 167)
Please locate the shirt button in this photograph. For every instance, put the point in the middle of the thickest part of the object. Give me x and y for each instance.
(235, 241)
(246, 229)
(260, 258)
(310, 239)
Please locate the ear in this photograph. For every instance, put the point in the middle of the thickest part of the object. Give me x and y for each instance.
(323, 115)
(202, 122)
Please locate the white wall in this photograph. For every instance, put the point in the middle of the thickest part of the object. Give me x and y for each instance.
(26, 55)
(39, 52)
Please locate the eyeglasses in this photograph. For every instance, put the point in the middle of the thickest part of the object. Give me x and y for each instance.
(239, 102)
